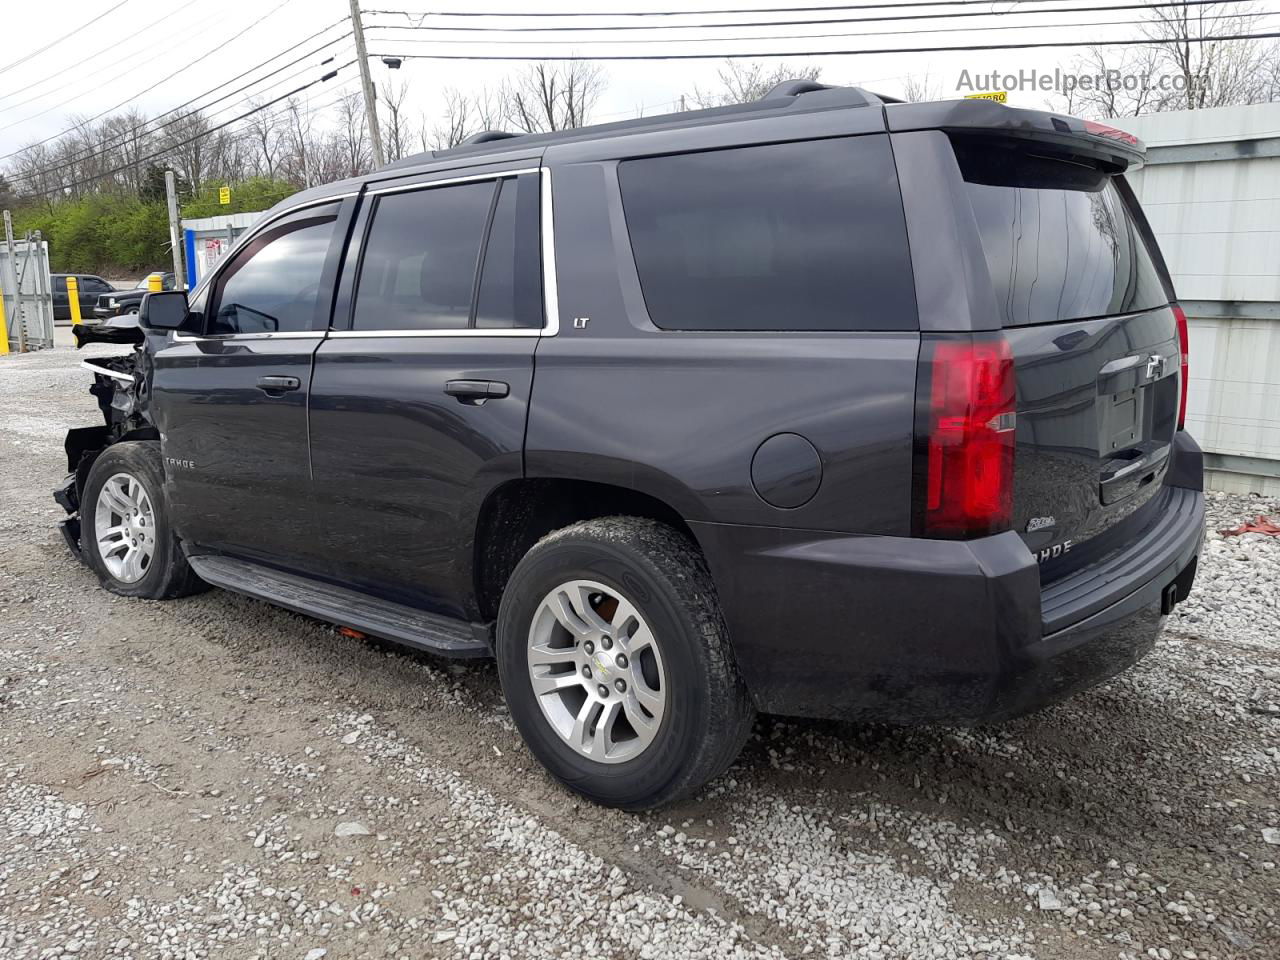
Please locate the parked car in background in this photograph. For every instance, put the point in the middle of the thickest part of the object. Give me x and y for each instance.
(91, 289)
(122, 302)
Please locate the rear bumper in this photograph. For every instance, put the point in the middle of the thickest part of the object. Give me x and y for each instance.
(910, 630)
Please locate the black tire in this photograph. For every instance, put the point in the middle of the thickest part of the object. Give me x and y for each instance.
(663, 575)
(167, 575)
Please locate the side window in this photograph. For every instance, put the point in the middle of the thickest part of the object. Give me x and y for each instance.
(273, 285)
(791, 236)
(94, 285)
(60, 285)
(511, 280)
(418, 268)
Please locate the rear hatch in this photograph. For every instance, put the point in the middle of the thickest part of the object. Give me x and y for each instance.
(1084, 303)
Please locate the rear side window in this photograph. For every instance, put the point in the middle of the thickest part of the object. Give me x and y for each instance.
(419, 265)
(453, 257)
(1057, 236)
(793, 236)
(510, 292)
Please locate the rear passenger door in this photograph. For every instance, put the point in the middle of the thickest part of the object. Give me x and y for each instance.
(419, 395)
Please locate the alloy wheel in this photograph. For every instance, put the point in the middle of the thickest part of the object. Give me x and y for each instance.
(597, 671)
(124, 526)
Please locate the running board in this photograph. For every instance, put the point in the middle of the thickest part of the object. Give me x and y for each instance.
(346, 607)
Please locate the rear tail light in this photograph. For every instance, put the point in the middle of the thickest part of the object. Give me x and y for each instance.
(1183, 341)
(965, 429)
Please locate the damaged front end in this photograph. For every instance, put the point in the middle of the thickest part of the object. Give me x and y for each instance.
(120, 385)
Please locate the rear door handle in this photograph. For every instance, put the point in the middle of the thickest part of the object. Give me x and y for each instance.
(476, 392)
(278, 386)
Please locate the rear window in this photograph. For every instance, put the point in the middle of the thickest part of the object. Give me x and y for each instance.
(1058, 238)
(792, 236)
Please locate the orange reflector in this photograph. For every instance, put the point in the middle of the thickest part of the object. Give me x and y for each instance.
(353, 634)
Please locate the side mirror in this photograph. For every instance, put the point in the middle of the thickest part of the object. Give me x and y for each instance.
(166, 310)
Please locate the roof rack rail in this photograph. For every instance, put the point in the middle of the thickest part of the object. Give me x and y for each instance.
(485, 136)
(793, 88)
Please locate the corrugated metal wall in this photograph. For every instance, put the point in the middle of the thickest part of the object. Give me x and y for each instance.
(1211, 189)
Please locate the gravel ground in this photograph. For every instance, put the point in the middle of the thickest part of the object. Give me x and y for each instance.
(214, 777)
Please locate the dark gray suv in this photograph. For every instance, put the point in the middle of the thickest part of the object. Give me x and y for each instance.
(823, 405)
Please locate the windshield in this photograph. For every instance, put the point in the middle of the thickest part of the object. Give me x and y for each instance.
(1058, 238)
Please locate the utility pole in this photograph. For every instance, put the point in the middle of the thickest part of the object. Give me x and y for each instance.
(175, 230)
(366, 82)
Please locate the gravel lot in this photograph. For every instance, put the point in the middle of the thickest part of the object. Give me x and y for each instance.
(214, 777)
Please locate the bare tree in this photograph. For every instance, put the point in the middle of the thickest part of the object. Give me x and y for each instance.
(266, 130)
(455, 124)
(295, 161)
(353, 134)
(395, 124)
(743, 81)
(552, 96)
(916, 89)
(185, 142)
(1185, 68)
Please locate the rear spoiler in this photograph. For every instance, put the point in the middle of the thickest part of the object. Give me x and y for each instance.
(1117, 150)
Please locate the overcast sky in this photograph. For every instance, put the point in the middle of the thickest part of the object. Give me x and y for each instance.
(133, 48)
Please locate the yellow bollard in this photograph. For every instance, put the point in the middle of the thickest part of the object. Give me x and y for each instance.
(155, 282)
(73, 299)
(4, 326)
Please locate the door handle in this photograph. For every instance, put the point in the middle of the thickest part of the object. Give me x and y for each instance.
(476, 392)
(278, 386)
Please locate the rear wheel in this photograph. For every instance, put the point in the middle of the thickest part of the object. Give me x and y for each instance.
(616, 665)
(125, 533)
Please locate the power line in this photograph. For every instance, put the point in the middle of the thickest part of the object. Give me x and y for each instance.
(200, 96)
(53, 43)
(765, 54)
(77, 77)
(65, 163)
(99, 81)
(186, 66)
(62, 188)
(816, 22)
(712, 12)
(819, 36)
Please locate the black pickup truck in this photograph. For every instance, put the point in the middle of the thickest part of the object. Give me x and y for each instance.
(824, 405)
(119, 303)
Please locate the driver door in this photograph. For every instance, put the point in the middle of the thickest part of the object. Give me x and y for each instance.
(231, 404)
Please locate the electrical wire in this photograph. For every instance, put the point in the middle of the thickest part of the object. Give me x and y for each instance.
(181, 106)
(817, 22)
(712, 12)
(813, 36)
(185, 67)
(62, 188)
(53, 43)
(65, 163)
(77, 77)
(766, 54)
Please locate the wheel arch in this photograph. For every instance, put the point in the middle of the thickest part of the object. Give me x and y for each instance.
(517, 514)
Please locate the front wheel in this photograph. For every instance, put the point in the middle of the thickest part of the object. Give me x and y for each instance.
(125, 531)
(616, 666)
